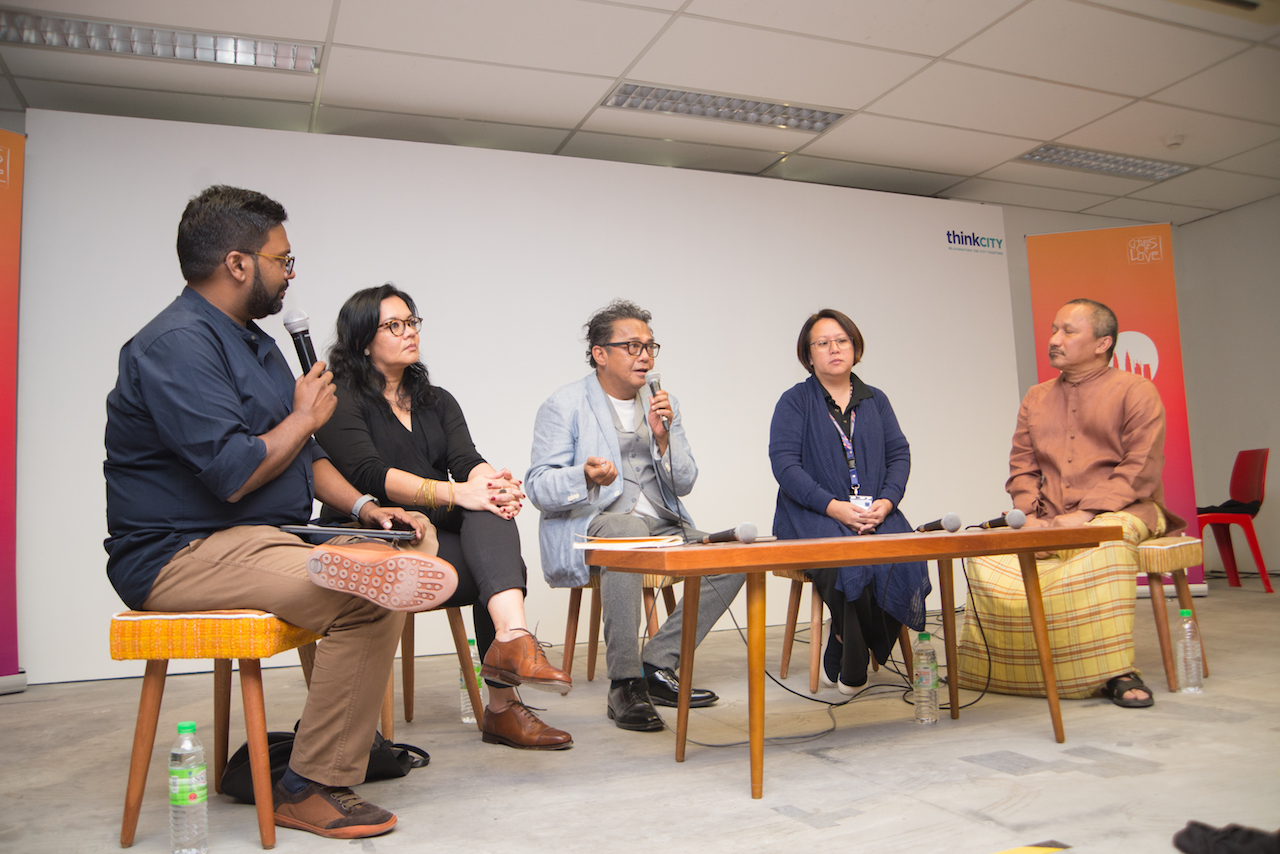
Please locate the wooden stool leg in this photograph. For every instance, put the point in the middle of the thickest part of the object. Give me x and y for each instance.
(650, 611)
(815, 631)
(908, 658)
(1185, 601)
(144, 739)
(669, 599)
(255, 724)
(221, 718)
(460, 645)
(571, 630)
(593, 644)
(789, 632)
(307, 657)
(389, 709)
(1155, 584)
(406, 665)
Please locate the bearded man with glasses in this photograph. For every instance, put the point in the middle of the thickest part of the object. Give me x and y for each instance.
(610, 459)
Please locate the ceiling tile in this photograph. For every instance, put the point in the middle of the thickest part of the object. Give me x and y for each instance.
(694, 129)
(1023, 172)
(759, 64)
(14, 121)
(1246, 86)
(1264, 160)
(1150, 211)
(1139, 130)
(916, 145)
(1211, 188)
(340, 120)
(842, 173)
(1022, 195)
(688, 155)
(918, 26)
(157, 74)
(560, 35)
(1098, 48)
(975, 98)
(171, 106)
(396, 82)
(1214, 22)
(291, 20)
(8, 98)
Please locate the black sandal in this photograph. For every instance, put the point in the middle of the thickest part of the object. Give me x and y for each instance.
(1116, 687)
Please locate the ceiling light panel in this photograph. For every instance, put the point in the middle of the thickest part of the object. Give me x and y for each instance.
(633, 96)
(1100, 161)
(155, 43)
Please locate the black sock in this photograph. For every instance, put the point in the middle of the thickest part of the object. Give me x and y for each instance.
(293, 782)
(649, 670)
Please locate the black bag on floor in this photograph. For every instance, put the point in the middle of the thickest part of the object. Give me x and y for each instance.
(387, 760)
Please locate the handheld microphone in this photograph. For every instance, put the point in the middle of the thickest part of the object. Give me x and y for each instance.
(1013, 519)
(949, 522)
(744, 533)
(298, 325)
(654, 379)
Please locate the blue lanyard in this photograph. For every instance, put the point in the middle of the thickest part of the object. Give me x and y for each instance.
(848, 449)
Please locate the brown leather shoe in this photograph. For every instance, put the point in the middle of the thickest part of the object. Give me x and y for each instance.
(517, 726)
(522, 662)
(332, 811)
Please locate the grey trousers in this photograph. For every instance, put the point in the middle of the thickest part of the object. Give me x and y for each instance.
(621, 602)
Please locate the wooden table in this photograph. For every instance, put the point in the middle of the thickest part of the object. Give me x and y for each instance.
(758, 559)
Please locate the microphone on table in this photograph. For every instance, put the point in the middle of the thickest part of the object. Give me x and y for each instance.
(654, 379)
(744, 533)
(1013, 519)
(298, 325)
(949, 522)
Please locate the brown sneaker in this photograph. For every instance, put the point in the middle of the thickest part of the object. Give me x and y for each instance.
(517, 726)
(332, 811)
(396, 580)
(522, 662)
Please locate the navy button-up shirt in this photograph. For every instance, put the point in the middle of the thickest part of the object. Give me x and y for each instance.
(195, 392)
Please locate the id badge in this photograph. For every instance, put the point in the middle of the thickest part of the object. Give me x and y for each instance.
(862, 502)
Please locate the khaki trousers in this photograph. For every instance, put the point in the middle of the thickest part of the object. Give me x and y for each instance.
(257, 566)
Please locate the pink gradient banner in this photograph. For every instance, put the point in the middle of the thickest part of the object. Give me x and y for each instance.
(12, 147)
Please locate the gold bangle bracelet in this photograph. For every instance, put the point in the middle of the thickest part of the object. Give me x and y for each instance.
(450, 496)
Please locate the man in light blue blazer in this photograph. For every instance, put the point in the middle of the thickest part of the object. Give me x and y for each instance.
(610, 459)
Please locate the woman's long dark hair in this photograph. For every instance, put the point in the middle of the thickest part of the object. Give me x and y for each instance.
(358, 321)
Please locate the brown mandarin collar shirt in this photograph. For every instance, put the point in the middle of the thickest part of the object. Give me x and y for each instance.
(1096, 445)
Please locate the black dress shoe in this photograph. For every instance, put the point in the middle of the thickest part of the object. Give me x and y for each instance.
(630, 707)
(664, 690)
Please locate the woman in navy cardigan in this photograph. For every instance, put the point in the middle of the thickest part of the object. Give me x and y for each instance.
(842, 465)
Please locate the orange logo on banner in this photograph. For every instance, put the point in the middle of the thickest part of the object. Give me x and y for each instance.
(1131, 270)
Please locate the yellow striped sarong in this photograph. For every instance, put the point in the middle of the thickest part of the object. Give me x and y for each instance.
(1088, 603)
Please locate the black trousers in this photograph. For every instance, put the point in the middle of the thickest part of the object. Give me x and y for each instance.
(862, 624)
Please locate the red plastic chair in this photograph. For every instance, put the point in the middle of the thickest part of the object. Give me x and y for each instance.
(1248, 484)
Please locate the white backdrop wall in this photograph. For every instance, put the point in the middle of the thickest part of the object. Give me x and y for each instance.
(507, 255)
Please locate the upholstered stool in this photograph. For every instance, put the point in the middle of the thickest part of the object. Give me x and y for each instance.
(156, 637)
(1170, 556)
(650, 584)
(798, 579)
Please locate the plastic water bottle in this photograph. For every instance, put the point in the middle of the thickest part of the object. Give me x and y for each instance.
(1187, 654)
(925, 680)
(469, 713)
(188, 793)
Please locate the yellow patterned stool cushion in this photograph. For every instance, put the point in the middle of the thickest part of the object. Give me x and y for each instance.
(1164, 555)
(203, 634)
(654, 582)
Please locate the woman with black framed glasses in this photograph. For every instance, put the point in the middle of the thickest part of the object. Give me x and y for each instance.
(404, 441)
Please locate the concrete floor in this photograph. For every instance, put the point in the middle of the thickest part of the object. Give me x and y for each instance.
(1125, 780)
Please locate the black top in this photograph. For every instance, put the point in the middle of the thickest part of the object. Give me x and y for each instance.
(859, 391)
(365, 439)
(194, 393)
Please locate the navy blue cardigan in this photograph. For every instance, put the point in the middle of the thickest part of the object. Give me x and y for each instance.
(810, 466)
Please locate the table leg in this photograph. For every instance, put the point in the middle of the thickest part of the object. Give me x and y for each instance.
(947, 588)
(755, 678)
(688, 641)
(1035, 604)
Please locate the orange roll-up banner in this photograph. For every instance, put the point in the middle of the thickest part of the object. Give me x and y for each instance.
(1131, 270)
(11, 150)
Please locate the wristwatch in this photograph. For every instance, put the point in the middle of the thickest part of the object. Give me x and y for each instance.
(360, 503)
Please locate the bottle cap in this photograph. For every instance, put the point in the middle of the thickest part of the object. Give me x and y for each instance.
(187, 726)
(1185, 612)
(924, 636)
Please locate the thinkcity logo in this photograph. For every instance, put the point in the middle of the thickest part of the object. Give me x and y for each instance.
(959, 241)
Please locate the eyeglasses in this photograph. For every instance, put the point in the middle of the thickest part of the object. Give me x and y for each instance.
(287, 259)
(396, 326)
(634, 347)
(825, 344)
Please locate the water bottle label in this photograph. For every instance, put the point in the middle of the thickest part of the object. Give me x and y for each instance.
(188, 786)
(926, 676)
